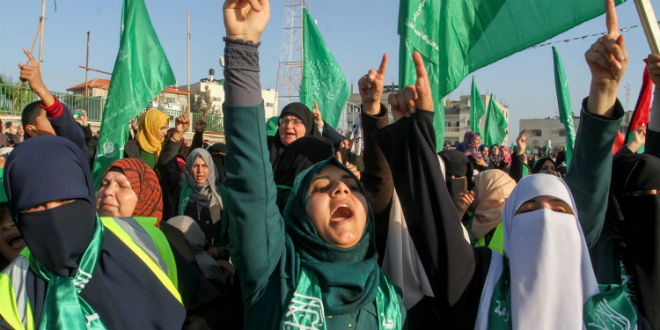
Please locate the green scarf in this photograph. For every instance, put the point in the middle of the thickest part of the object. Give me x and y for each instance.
(184, 198)
(306, 310)
(349, 277)
(610, 309)
(64, 308)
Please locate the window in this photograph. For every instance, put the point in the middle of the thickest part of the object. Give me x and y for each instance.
(535, 132)
(169, 100)
(561, 132)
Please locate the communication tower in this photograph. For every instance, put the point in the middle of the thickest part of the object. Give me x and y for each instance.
(289, 69)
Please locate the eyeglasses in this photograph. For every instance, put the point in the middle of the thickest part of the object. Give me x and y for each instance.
(286, 120)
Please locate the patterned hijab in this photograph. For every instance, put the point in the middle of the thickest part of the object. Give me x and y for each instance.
(145, 185)
(148, 124)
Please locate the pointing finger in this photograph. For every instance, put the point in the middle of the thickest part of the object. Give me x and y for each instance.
(611, 19)
(383, 65)
(419, 66)
(29, 56)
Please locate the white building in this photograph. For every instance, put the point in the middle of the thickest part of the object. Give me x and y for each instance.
(457, 118)
(217, 92)
(541, 130)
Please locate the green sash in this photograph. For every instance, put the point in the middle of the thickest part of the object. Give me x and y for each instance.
(305, 311)
(63, 307)
(610, 309)
(184, 198)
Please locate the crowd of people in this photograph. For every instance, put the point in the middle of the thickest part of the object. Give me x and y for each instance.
(291, 225)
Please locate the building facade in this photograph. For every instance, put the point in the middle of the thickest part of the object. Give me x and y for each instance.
(540, 131)
(217, 94)
(457, 118)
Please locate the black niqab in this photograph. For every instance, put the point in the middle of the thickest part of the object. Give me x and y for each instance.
(123, 290)
(637, 222)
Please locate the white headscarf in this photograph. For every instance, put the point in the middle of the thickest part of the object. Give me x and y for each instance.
(550, 267)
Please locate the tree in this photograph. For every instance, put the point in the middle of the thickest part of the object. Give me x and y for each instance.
(202, 102)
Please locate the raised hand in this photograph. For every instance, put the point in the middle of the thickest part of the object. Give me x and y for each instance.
(318, 119)
(371, 88)
(181, 124)
(463, 202)
(521, 141)
(638, 138)
(607, 59)
(418, 96)
(31, 74)
(246, 19)
(200, 125)
(653, 65)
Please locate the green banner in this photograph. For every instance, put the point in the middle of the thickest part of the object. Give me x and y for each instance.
(496, 124)
(564, 102)
(419, 31)
(477, 108)
(322, 78)
(141, 72)
(475, 33)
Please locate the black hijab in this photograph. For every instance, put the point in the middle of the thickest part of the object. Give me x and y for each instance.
(636, 217)
(297, 157)
(539, 163)
(457, 165)
(218, 151)
(275, 145)
(122, 290)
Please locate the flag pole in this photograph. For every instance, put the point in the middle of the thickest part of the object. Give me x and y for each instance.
(41, 37)
(188, 54)
(649, 23)
(34, 41)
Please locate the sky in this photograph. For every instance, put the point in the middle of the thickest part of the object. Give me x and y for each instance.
(358, 32)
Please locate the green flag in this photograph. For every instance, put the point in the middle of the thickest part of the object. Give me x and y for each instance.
(496, 124)
(322, 78)
(141, 72)
(477, 108)
(475, 33)
(419, 31)
(564, 101)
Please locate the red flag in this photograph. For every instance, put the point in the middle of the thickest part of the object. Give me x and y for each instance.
(618, 143)
(642, 108)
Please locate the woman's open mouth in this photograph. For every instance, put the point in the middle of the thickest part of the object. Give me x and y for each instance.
(342, 212)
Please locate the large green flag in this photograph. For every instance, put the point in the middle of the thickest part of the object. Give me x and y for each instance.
(141, 72)
(322, 78)
(477, 108)
(419, 31)
(496, 124)
(475, 33)
(564, 102)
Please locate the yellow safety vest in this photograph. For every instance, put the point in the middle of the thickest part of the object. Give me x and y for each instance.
(139, 234)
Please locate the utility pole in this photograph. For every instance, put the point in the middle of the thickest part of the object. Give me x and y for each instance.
(86, 72)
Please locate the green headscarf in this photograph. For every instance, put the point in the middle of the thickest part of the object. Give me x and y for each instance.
(349, 278)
